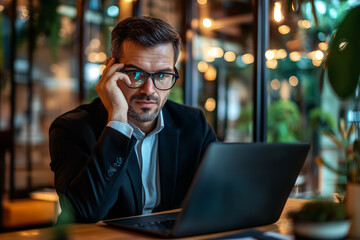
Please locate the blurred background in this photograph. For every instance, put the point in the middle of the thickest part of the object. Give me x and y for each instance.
(52, 54)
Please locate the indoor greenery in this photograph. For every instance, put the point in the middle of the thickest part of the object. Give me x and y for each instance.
(344, 143)
(320, 211)
(342, 61)
(283, 122)
(343, 68)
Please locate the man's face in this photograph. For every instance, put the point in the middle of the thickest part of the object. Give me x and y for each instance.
(146, 102)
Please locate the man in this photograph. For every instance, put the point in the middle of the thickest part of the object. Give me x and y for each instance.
(130, 151)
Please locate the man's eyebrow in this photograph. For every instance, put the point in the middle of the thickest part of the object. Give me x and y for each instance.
(139, 68)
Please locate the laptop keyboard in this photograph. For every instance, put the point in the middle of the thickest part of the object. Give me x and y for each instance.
(161, 226)
(157, 223)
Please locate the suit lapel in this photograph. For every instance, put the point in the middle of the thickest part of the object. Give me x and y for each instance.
(168, 160)
(133, 171)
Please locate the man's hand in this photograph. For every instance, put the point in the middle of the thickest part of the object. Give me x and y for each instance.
(110, 93)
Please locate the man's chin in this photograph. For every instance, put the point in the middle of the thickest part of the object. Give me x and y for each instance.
(144, 115)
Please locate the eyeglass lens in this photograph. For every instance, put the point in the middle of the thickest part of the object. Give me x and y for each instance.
(161, 80)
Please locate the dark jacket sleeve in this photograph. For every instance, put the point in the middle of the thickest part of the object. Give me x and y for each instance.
(88, 170)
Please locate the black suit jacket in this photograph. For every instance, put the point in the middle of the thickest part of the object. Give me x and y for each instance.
(96, 170)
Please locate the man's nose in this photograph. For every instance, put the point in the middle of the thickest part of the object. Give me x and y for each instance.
(148, 87)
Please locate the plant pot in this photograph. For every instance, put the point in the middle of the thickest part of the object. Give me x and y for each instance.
(321, 230)
(353, 208)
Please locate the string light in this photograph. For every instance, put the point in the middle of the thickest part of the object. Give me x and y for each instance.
(229, 56)
(207, 23)
(275, 84)
(201, 2)
(202, 66)
(277, 12)
(293, 80)
(210, 104)
(284, 29)
(247, 58)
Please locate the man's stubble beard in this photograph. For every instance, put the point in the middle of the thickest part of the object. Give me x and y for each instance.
(146, 115)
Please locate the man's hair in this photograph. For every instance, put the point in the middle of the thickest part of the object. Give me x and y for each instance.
(146, 31)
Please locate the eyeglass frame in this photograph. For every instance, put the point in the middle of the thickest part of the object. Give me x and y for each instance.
(176, 75)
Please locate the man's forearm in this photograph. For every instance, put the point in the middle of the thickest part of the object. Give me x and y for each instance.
(93, 188)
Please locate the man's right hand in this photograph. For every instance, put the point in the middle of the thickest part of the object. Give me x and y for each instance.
(110, 93)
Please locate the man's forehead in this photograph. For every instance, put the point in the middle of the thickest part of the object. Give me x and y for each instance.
(128, 45)
(159, 54)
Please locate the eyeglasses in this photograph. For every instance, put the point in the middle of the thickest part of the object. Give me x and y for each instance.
(162, 81)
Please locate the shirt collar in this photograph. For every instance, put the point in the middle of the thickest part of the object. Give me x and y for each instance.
(138, 134)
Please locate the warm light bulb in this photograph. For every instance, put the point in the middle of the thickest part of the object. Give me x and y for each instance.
(275, 84)
(210, 104)
(295, 56)
(247, 58)
(211, 73)
(280, 54)
(202, 66)
(323, 46)
(272, 63)
(207, 22)
(201, 2)
(293, 80)
(277, 12)
(101, 57)
(284, 29)
(319, 55)
(215, 52)
(229, 56)
(269, 54)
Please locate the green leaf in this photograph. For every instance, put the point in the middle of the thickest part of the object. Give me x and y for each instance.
(343, 62)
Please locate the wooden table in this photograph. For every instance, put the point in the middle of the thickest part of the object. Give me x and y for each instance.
(104, 232)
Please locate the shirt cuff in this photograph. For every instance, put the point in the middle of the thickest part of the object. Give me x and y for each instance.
(124, 128)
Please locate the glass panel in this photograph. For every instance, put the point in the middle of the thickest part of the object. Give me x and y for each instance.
(4, 67)
(169, 12)
(46, 86)
(297, 108)
(100, 19)
(223, 64)
(55, 79)
(217, 48)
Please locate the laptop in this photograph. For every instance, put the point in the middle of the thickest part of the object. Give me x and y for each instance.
(237, 185)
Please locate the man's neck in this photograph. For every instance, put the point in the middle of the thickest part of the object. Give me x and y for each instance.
(145, 127)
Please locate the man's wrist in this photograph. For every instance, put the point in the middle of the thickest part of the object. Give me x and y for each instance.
(123, 128)
(118, 117)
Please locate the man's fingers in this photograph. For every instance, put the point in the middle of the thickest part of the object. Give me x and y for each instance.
(125, 78)
(107, 61)
(110, 62)
(112, 81)
(116, 76)
(113, 68)
(110, 69)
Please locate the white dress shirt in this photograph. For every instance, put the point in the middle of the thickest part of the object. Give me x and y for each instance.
(146, 149)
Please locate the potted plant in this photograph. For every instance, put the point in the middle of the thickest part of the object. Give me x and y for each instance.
(350, 170)
(321, 220)
(343, 68)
